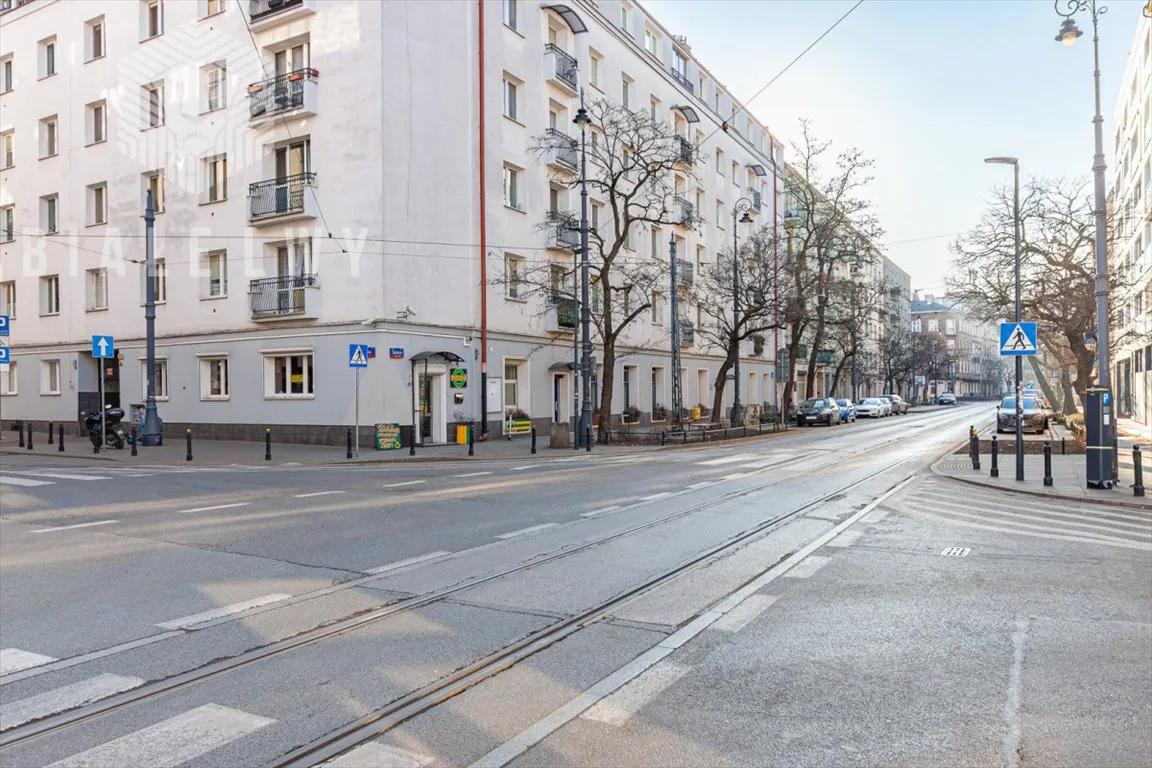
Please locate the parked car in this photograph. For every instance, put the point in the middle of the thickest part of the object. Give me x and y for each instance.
(888, 409)
(818, 411)
(1033, 416)
(946, 399)
(870, 406)
(847, 410)
(899, 404)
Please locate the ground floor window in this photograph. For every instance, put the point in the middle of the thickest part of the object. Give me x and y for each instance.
(8, 380)
(161, 379)
(288, 375)
(50, 377)
(214, 378)
(512, 384)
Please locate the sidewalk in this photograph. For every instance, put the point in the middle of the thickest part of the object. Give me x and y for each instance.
(1069, 478)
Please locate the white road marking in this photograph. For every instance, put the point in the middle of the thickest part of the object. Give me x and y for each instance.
(846, 539)
(61, 699)
(63, 476)
(401, 485)
(1086, 538)
(600, 511)
(227, 610)
(316, 493)
(514, 469)
(10, 480)
(655, 496)
(14, 660)
(617, 708)
(735, 476)
(173, 741)
(377, 755)
(705, 484)
(473, 474)
(737, 618)
(5, 679)
(405, 563)
(764, 464)
(522, 531)
(73, 527)
(209, 509)
(807, 567)
(727, 460)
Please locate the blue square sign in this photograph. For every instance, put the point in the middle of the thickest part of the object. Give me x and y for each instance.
(4, 325)
(357, 356)
(1017, 339)
(103, 347)
(5, 355)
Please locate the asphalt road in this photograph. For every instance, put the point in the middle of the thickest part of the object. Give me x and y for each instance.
(110, 580)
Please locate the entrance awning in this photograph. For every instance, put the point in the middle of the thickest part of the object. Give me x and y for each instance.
(447, 357)
(571, 18)
(569, 366)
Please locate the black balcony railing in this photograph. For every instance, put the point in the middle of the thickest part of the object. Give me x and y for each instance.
(685, 151)
(258, 9)
(684, 273)
(565, 307)
(567, 229)
(682, 79)
(565, 64)
(277, 197)
(567, 148)
(282, 93)
(687, 332)
(281, 295)
(757, 199)
(686, 210)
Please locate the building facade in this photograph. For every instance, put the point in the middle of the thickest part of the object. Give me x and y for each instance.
(328, 174)
(1131, 197)
(967, 363)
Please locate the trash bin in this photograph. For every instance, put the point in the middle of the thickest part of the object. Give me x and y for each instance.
(462, 434)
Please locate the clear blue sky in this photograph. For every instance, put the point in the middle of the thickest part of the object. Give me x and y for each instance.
(927, 88)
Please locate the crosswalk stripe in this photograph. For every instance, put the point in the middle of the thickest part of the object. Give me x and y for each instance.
(23, 481)
(620, 706)
(1047, 533)
(727, 460)
(377, 755)
(1085, 511)
(62, 699)
(1142, 531)
(227, 610)
(171, 742)
(66, 476)
(405, 563)
(15, 659)
(523, 531)
(738, 618)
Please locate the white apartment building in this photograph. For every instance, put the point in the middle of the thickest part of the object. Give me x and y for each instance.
(326, 174)
(1131, 197)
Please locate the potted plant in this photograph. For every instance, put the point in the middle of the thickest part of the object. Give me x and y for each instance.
(659, 412)
(517, 421)
(631, 415)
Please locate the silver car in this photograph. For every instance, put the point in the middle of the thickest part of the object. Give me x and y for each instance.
(871, 406)
(899, 404)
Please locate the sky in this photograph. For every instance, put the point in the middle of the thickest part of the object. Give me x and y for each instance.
(927, 89)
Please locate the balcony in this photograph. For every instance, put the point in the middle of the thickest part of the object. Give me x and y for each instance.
(287, 199)
(683, 213)
(756, 198)
(687, 332)
(681, 78)
(685, 150)
(685, 276)
(563, 232)
(560, 315)
(288, 95)
(287, 297)
(268, 13)
(563, 151)
(560, 68)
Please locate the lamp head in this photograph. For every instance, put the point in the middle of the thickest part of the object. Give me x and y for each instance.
(745, 219)
(1068, 33)
(1002, 160)
(582, 118)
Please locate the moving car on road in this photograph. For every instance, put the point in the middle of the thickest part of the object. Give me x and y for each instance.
(899, 404)
(818, 411)
(871, 406)
(847, 410)
(1034, 417)
(946, 399)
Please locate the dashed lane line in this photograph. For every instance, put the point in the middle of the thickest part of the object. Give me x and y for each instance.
(226, 610)
(74, 527)
(524, 531)
(210, 509)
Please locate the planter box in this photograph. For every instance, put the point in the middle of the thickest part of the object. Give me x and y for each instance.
(517, 426)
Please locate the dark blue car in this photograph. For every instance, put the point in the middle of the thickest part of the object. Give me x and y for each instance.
(847, 410)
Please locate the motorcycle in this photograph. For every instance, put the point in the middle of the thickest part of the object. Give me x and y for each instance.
(114, 435)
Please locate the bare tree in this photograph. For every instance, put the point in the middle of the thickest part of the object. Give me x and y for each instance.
(853, 306)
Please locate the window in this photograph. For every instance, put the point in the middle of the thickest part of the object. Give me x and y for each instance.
(510, 13)
(50, 295)
(7, 149)
(8, 380)
(655, 107)
(511, 88)
(153, 181)
(720, 215)
(624, 13)
(7, 224)
(933, 325)
(700, 256)
(47, 64)
(49, 214)
(161, 368)
(215, 83)
(94, 39)
(97, 205)
(95, 123)
(657, 308)
(215, 271)
(49, 377)
(288, 375)
(152, 103)
(680, 66)
(151, 19)
(594, 220)
(735, 172)
(215, 178)
(512, 195)
(96, 281)
(159, 281)
(511, 383)
(720, 161)
(514, 276)
(8, 299)
(651, 42)
(625, 93)
(594, 60)
(214, 378)
(654, 244)
(49, 144)
(916, 325)
(212, 7)
(950, 326)
(6, 80)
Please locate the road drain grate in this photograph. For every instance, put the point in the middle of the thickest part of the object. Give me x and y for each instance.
(956, 551)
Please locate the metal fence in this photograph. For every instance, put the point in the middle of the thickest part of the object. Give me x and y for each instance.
(282, 93)
(275, 197)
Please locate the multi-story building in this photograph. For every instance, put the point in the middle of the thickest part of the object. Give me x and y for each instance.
(968, 363)
(1131, 199)
(335, 173)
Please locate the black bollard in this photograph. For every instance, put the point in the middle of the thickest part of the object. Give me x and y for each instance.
(588, 440)
(20, 431)
(29, 435)
(60, 447)
(1061, 446)
(1047, 464)
(412, 442)
(51, 430)
(533, 440)
(188, 442)
(348, 454)
(267, 444)
(471, 449)
(134, 440)
(995, 472)
(663, 437)
(974, 448)
(1138, 468)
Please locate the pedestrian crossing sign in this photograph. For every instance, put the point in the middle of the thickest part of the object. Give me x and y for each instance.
(1017, 339)
(357, 356)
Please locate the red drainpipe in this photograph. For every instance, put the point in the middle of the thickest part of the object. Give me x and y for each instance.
(775, 272)
(483, 243)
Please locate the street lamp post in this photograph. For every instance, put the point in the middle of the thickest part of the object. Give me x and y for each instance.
(583, 121)
(151, 434)
(1019, 360)
(743, 205)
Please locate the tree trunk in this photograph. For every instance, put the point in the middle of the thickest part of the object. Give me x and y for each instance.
(606, 391)
(796, 331)
(1069, 393)
(836, 377)
(718, 388)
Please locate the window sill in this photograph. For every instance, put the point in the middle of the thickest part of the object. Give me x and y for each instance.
(214, 202)
(289, 397)
(50, 394)
(221, 108)
(49, 314)
(94, 143)
(597, 87)
(49, 157)
(509, 26)
(8, 167)
(151, 127)
(8, 394)
(511, 119)
(150, 39)
(212, 15)
(214, 298)
(516, 299)
(96, 309)
(514, 208)
(214, 398)
(95, 224)
(94, 58)
(45, 77)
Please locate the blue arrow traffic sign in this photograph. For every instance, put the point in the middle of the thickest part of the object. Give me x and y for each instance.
(357, 356)
(5, 355)
(1017, 339)
(4, 325)
(103, 346)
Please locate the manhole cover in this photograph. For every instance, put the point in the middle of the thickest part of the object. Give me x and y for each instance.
(956, 551)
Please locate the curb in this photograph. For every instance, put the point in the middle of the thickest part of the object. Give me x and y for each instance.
(1041, 494)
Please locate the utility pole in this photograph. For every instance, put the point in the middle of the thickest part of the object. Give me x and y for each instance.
(151, 434)
(677, 385)
(583, 120)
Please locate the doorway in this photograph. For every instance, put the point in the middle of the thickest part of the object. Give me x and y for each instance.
(430, 424)
(291, 162)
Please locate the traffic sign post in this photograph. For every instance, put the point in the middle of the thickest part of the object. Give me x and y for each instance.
(103, 347)
(358, 355)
